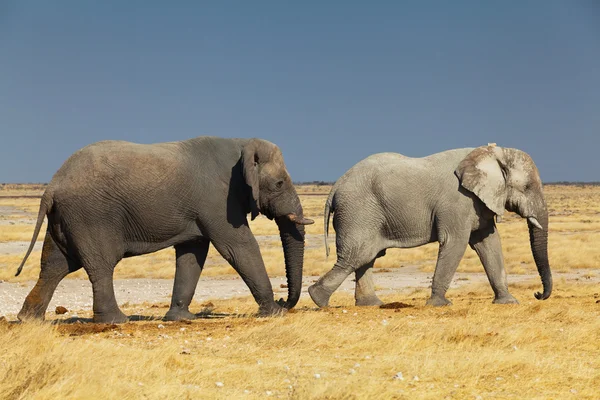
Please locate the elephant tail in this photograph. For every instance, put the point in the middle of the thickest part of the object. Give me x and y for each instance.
(326, 215)
(45, 207)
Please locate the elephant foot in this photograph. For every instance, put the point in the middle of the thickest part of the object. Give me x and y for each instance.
(506, 299)
(368, 301)
(438, 301)
(271, 310)
(116, 317)
(319, 295)
(35, 305)
(178, 314)
(29, 314)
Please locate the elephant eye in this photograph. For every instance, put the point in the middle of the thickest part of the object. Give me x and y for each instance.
(279, 185)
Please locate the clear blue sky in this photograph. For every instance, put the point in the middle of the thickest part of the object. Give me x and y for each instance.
(330, 82)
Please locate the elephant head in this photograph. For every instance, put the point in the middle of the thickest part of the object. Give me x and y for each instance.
(504, 178)
(274, 195)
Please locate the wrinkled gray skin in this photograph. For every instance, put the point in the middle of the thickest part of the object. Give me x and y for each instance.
(389, 200)
(117, 199)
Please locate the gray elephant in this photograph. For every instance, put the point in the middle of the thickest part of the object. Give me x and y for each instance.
(116, 199)
(391, 201)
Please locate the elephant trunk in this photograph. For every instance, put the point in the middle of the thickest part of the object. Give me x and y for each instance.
(292, 240)
(538, 236)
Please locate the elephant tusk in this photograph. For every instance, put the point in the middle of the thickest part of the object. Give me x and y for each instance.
(535, 222)
(300, 221)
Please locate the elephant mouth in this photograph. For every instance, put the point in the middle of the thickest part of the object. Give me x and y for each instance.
(293, 217)
(299, 220)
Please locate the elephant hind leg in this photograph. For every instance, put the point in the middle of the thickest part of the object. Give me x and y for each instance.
(358, 242)
(99, 258)
(54, 267)
(106, 309)
(190, 261)
(321, 291)
(364, 293)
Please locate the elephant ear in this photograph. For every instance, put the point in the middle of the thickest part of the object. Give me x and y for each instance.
(250, 160)
(481, 173)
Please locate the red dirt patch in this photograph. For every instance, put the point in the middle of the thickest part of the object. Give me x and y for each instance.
(395, 305)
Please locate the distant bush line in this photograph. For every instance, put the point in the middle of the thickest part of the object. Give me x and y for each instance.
(41, 186)
(559, 183)
(314, 183)
(23, 186)
(565, 183)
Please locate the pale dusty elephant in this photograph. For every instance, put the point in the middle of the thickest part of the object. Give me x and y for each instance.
(117, 199)
(391, 201)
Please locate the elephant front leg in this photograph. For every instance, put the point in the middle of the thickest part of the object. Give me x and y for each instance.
(451, 252)
(240, 248)
(54, 267)
(364, 293)
(488, 247)
(190, 261)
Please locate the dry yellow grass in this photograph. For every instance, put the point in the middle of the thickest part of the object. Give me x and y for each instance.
(313, 189)
(26, 205)
(19, 233)
(474, 349)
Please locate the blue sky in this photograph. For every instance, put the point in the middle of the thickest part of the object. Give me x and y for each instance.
(330, 82)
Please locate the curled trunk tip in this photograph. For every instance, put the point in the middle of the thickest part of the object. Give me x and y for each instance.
(543, 296)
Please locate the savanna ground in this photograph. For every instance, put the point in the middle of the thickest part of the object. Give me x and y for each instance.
(473, 349)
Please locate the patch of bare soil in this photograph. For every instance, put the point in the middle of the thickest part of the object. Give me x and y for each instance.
(395, 305)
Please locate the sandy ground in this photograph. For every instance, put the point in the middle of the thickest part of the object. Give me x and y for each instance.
(18, 247)
(28, 218)
(76, 294)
